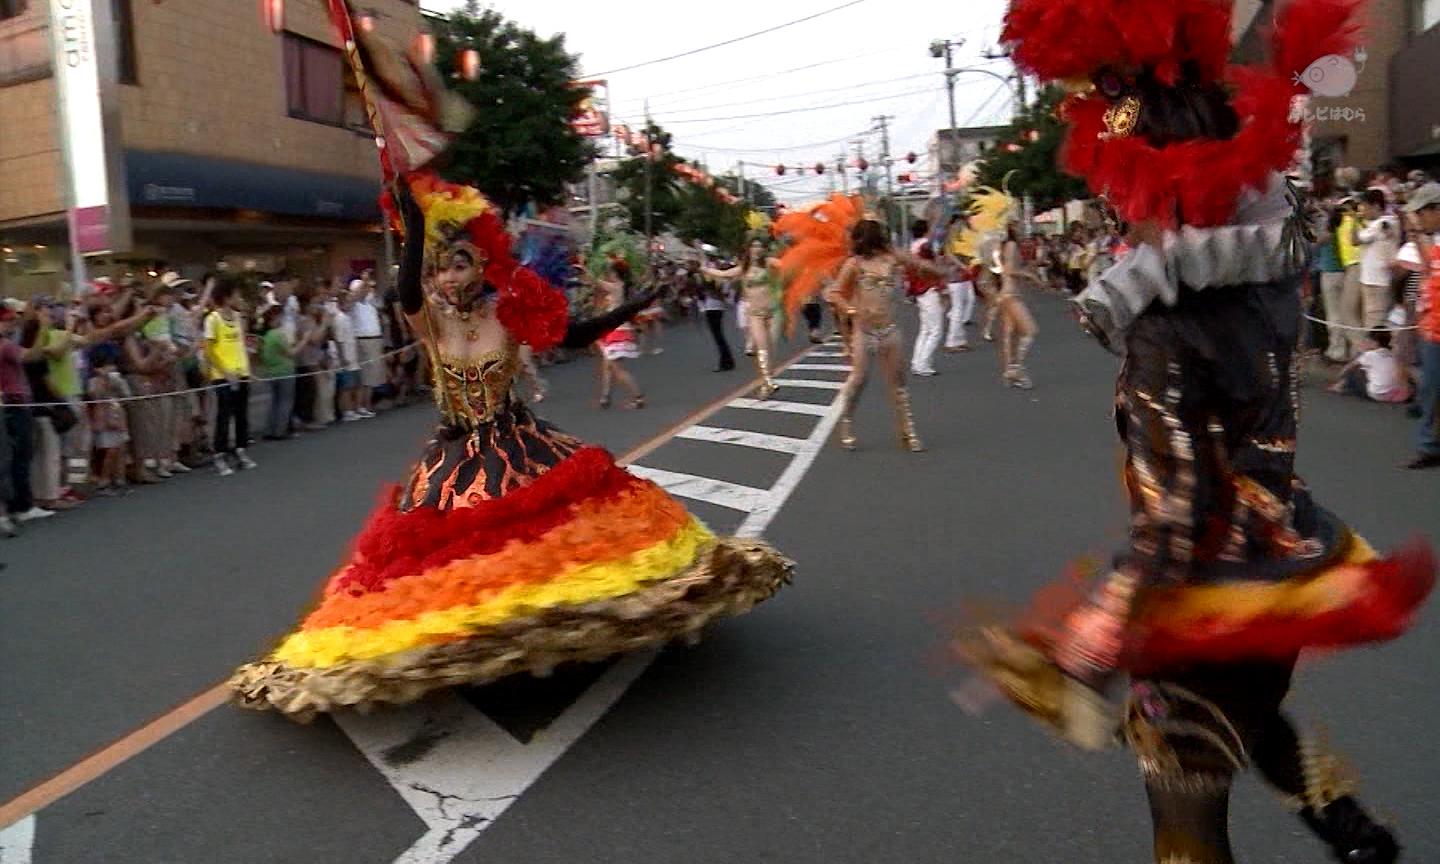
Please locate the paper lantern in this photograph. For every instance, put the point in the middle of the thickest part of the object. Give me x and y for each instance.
(780, 169)
(424, 47)
(819, 167)
(862, 164)
(470, 64)
(911, 157)
(274, 13)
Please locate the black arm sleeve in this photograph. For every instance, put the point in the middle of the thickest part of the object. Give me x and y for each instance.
(581, 333)
(412, 255)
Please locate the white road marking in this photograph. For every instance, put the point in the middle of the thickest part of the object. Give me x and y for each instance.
(744, 438)
(711, 491)
(817, 367)
(782, 407)
(809, 383)
(466, 770)
(469, 770)
(17, 841)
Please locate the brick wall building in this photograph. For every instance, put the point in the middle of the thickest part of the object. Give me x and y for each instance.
(239, 145)
(1392, 115)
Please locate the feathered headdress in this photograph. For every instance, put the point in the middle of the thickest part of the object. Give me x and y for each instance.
(990, 211)
(1097, 47)
(820, 243)
(414, 119)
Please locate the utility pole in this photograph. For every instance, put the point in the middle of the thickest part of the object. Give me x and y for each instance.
(649, 182)
(883, 121)
(744, 189)
(844, 175)
(946, 48)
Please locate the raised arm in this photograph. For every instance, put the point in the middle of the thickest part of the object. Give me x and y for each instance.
(915, 264)
(412, 299)
(721, 275)
(580, 333)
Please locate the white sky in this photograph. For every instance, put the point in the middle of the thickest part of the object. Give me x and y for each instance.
(876, 50)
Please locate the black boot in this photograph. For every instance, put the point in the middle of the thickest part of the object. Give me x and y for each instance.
(1351, 834)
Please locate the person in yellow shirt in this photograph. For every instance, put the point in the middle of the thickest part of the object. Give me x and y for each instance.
(227, 365)
(1348, 312)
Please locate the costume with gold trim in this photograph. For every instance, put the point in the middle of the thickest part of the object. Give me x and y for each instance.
(1233, 570)
(512, 547)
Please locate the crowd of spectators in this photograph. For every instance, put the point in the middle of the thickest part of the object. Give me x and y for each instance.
(132, 383)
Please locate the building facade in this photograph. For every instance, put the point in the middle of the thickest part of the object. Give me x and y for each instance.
(951, 150)
(1392, 113)
(242, 147)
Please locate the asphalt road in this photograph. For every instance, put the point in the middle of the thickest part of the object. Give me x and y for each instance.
(817, 729)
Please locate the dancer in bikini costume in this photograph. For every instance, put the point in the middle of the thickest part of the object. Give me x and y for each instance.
(753, 271)
(1232, 570)
(512, 546)
(620, 344)
(832, 237)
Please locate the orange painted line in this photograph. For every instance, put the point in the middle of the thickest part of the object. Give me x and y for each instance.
(111, 757)
(108, 759)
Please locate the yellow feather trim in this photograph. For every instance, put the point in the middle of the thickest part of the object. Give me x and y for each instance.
(578, 585)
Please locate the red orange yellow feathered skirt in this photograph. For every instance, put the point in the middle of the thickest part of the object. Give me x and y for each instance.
(513, 548)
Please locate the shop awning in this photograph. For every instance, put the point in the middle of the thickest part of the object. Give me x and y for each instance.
(204, 183)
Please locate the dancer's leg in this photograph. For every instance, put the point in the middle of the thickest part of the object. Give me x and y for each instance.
(892, 364)
(854, 386)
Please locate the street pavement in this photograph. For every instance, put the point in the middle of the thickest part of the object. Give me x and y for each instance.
(819, 728)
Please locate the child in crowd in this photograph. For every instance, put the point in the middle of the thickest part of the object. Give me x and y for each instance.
(107, 417)
(1374, 373)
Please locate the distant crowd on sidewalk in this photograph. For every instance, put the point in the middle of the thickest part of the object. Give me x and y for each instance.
(130, 384)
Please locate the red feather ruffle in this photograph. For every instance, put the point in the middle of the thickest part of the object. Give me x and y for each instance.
(1058, 39)
(533, 311)
(394, 544)
(1198, 180)
(1380, 607)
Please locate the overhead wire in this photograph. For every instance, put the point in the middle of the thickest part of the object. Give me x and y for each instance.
(801, 110)
(732, 41)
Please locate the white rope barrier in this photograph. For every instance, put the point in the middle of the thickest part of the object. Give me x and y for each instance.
(1392, 328)
(213, 385)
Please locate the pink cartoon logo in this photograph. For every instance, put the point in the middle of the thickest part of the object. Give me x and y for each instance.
(1332, 75)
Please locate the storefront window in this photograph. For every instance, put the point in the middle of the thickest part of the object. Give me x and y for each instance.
(314, 81)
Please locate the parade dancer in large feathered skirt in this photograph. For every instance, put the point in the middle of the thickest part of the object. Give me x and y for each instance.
(512, 546)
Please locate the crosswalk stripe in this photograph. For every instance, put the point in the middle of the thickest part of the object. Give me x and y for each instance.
(780, 406)
(810, 383)
(744, 438)
(819, 367)
(723, 493)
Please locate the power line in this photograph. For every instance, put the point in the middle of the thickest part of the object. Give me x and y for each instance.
(846, 88)
(801, 110)
(767, 75)
(747, 150)
(704, 48)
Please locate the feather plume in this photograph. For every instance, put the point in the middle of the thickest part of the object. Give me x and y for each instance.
(820, 243)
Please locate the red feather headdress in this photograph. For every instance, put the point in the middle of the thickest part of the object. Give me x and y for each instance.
(1201, 179)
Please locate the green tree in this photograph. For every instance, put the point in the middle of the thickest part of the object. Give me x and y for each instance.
(1030, 148)
(521, 148)
(663, 184)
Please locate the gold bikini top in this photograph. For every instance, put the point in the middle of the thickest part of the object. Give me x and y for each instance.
(473, 391)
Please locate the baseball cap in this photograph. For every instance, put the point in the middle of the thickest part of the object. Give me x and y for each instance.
(1426, 196)
(172, 279)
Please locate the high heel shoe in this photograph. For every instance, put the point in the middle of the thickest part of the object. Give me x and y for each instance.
(847, 433)
(909, 440)
(767, 382)
(637, 401)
